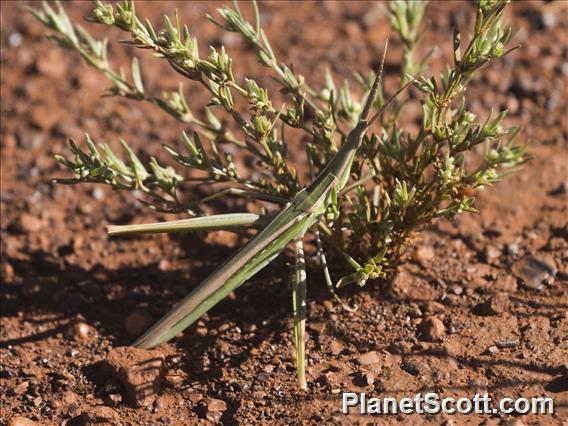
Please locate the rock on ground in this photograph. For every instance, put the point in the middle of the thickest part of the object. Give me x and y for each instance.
(495, 305)
(21, 421)
(140, 372)
(432, 329)
(214, 409)
(99, 415)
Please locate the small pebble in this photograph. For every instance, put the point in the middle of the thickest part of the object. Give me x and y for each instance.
(495, 305)
(456, 289)
(262, 377)
(533, 272)
(113, 399)
(433, 308)
(15, 39)
(259, 395)
(506, 283)
(216, 405)
(412, 367)
(215, 409)
(549, 19)
(164, 265)
(364, 379)
(561, 189)
(45, 116)
(336, 347)
(27, 224)
(512, 422)
(21, 421)
(79, 331)
(137, 322)
(165, 420)
(20, 388)
(368, 358)
(329, 379)
(423, 254)
(158, 405)
(100, 415)
(512, 249)
(98, 193)
(353, 30)
(175, 377)
(432, 329)
(316, 327)
(52, 64)
(140, 371)
(503, 344)
(493, 349)
(491, 254)
(250, 328)
(70, 397)
(7, 273)
(201, 331)
(224, 327)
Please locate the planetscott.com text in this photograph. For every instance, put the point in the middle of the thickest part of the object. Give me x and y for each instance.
(432, 403)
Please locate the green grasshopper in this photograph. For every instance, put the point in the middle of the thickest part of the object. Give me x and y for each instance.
(289, 225)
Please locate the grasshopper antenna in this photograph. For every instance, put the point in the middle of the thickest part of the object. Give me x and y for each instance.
(374, 92)
(375, 87)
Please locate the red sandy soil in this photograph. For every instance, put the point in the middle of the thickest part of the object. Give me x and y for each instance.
(59, 269)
